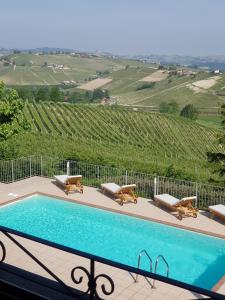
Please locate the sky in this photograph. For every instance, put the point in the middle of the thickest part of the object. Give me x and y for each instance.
(130, 27)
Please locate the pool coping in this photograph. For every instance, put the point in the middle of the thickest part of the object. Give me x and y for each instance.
(215, 288)
(219, 284)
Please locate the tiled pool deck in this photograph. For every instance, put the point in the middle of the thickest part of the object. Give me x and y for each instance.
(62, 263)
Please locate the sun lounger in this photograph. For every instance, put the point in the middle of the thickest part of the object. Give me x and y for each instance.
(183, 207)
(124, 193)
(70, 183)
(217, 210)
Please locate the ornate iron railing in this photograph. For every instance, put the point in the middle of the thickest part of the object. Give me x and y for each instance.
(92, 285)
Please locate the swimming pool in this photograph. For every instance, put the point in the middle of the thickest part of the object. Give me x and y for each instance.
(193, 258)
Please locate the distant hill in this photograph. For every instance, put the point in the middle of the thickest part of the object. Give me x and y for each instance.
(208, 62)
(51, 69)
(134, 82)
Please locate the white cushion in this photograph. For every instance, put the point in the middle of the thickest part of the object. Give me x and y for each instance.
(220, 208)
(168, 199)
(189, 198)
(63, 178)
(74, 176)
(128, 186)
(112, 187)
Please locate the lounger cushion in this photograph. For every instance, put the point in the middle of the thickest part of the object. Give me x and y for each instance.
(74, 176)
(167, 199)
(189, 198)
(219, 208)
(112, 187)
(63, 178)
(128, 186)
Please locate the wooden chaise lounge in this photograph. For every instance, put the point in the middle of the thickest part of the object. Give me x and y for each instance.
(124, 193)
(70, 183)
(182, 206)
(217, 211)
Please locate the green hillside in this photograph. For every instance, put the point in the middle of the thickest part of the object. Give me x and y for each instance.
(149, 142)
(35, 70)
(173, 88)
(30, 69)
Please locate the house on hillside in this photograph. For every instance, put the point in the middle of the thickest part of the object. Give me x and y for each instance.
(216, 72)
(109, 101)
(69, 82)
(185, 72)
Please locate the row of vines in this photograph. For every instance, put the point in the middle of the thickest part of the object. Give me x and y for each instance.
(161, 139)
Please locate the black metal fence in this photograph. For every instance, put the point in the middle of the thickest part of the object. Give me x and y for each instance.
(79, 272)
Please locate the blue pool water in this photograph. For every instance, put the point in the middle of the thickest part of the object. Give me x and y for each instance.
(193, 258)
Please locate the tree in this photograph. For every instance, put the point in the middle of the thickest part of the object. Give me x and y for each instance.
(161, 67)
(172, 68)
(42, 94)
(98, 94)
(11, 113)
(89, 95)
(25, 93)
(75, 97)
(168, 107)
(189, 111)
(107, 94)
(218, 158)
(55, 94)
(147, 85)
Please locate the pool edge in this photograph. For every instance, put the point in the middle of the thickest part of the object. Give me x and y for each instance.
(219, 284)
(217, 235)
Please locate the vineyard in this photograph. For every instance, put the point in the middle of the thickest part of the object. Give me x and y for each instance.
(141, 141)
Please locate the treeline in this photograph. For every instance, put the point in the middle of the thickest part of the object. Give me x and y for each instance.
(88, 96)
(188, 111)
(56, 94)
(53, 93)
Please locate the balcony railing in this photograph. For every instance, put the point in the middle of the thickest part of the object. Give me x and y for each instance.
(79, 272)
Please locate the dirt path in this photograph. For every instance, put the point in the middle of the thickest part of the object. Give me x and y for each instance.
(41, 79)
(94, 84)
(159, 93)
(155, 77)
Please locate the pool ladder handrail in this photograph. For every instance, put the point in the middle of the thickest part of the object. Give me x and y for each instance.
(139, 261)
(156, 265)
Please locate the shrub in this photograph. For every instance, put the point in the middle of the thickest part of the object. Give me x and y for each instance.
(148, 85)
(189, 111)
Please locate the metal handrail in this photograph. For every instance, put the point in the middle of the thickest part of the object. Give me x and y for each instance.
(139, 261)
(156, 265)
(93, 258)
